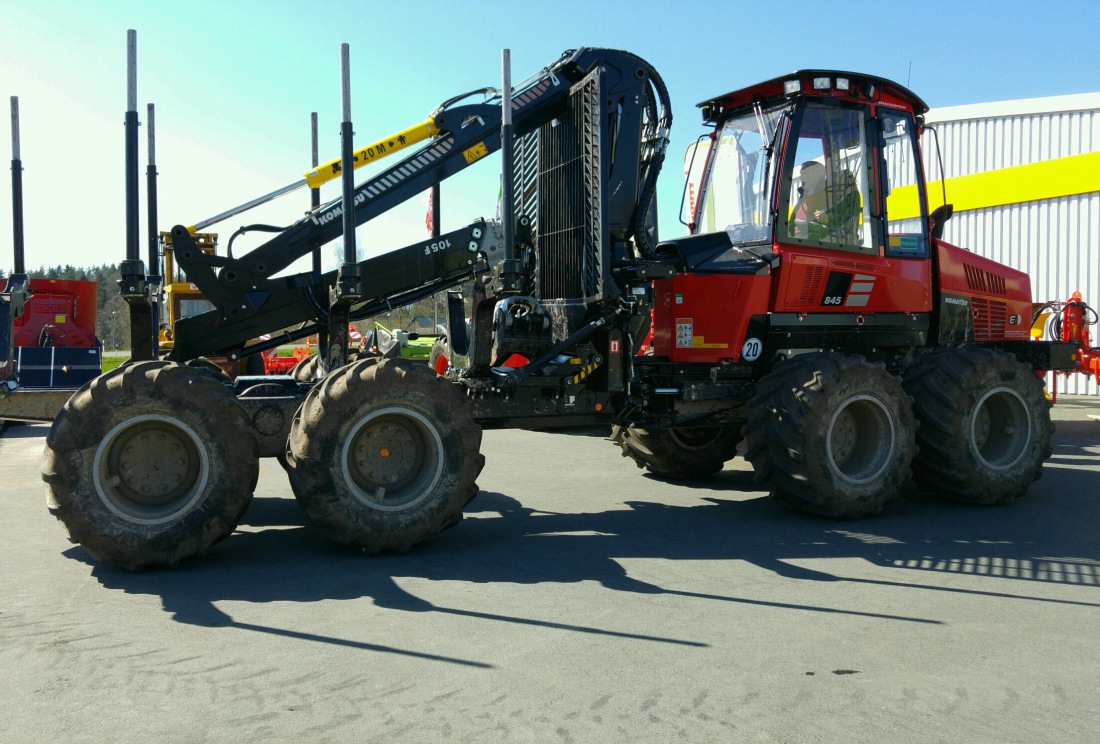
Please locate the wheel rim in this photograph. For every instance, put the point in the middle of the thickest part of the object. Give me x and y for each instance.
(392, 459)
(860, 438)
(1000, 428)
(151, 469)
(695, 438)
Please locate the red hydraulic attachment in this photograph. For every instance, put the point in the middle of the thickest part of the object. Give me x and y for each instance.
(1072, 324)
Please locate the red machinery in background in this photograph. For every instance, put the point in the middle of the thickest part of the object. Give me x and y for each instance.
(54, 341)
(47, 326)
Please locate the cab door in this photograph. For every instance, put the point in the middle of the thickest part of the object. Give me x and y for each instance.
(840, 251)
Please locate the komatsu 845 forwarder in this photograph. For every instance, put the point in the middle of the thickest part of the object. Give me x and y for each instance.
(812, 311)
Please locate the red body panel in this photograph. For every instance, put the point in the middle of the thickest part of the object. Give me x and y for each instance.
(1000, 296)
(64, 308)
(703, 318)
(877, 284)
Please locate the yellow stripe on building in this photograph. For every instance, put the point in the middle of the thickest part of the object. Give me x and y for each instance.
(1048, 179)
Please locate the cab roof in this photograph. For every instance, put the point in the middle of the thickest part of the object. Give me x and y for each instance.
(819, 83)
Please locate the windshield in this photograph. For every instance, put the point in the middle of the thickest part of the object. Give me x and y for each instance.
(734, 196)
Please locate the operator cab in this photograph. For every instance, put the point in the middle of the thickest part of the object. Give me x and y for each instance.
(814, 159)
(808, 225)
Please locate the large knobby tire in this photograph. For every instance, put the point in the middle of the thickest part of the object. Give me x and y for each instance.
(210, 368)
(831, 435)
(680, 453)
(305, 369)
(149, 464)
(985, 425)
(383, 455)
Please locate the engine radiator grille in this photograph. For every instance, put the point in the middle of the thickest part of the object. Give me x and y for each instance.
(558, 175)
(990, 319)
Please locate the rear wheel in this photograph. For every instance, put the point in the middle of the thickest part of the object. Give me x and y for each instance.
(680, 453)
(149, 464)
(831, 435)
(383, 455)
(985, 425)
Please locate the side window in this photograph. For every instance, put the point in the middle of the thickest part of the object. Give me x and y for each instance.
(907, 225)
(829, 202)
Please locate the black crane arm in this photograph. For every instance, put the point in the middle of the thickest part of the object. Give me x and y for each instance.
(249, 302)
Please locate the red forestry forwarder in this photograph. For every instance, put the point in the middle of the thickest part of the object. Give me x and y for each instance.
(851, 348)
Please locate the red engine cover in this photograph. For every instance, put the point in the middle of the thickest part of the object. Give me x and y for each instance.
(1000, 296)
(703, 318)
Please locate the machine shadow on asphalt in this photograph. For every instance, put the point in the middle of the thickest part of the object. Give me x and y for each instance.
(276, 556)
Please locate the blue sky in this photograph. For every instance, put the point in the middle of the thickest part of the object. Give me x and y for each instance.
(234, 83)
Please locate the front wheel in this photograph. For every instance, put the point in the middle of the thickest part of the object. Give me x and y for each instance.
(679, 453)
(149, 464)
(831, 435)
(985, 425)
(383, 455)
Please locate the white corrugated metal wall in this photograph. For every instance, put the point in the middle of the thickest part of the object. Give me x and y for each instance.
(1056, 241)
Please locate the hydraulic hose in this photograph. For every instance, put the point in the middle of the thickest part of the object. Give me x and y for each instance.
(661, 123)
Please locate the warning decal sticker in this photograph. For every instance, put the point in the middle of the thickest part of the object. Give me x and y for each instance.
(683, 333)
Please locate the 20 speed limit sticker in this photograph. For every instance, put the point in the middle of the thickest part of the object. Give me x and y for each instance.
(752, 349)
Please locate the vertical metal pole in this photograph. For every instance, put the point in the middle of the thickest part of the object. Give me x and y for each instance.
(131, 123)
(435, 234)
(347, 165)
(15, 295)
(132, 284)
(435, 210)
(506, 155)
(151, 195)
(314, 202)
(16, 188)
(349, 286)
(314, 194)
(154, 235)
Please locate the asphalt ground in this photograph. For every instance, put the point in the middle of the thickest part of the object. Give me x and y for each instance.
(580, 601)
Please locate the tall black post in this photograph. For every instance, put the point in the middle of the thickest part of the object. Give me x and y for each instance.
(314, 202)
(509, 274)
(435, 210)
(348, 287)
(347, 162)
(15, 295)
(133, 285)
(155, 278)
(17, 188)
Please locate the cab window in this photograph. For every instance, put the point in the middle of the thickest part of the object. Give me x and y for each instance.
(827, 182)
